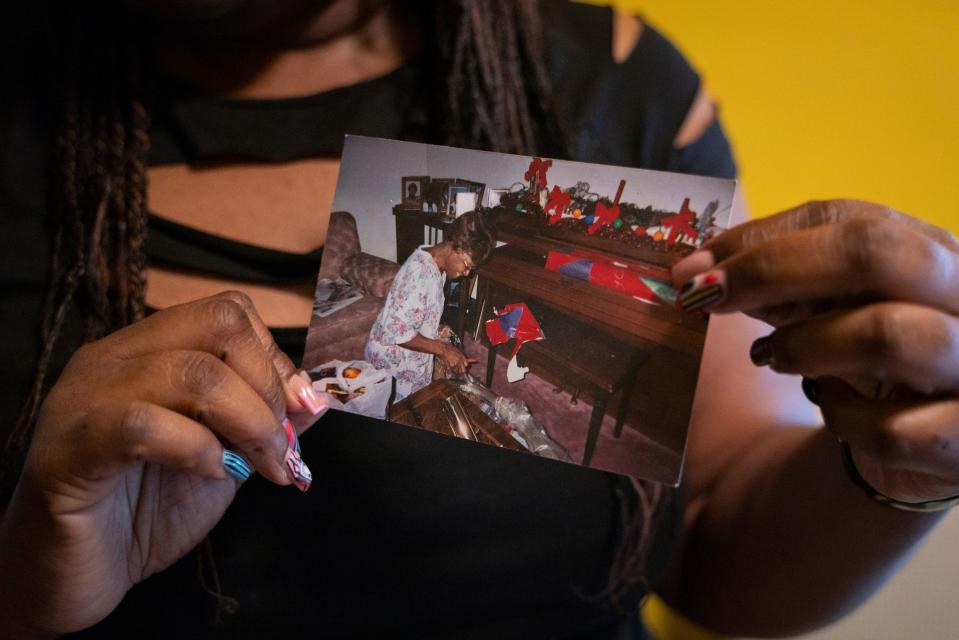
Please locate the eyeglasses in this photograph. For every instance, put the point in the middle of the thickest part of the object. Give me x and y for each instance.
(468, 265)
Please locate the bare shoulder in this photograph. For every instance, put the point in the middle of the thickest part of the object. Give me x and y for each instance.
(627, 29)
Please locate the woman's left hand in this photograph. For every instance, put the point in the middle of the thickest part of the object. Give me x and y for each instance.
(865, 301)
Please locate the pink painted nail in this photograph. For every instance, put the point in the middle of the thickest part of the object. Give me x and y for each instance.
(304, 391)
(705, 290)
(300, 473)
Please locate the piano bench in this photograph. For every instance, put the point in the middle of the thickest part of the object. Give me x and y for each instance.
(592, 364)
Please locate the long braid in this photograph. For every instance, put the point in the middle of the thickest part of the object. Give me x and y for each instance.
(491, 70)
(96, 195)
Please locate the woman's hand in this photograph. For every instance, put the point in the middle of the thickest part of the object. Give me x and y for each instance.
(864, 300)
(455, 359)
(126, 471)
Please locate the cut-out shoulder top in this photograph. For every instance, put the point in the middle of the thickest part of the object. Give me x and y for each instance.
(403, 533)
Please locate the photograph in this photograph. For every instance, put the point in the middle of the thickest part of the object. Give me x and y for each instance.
(414, 188)
(493, 196)
(543, 322)
(436, 196)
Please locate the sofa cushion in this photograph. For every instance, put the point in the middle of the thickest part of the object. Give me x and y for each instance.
(373, 275)
(342, 244)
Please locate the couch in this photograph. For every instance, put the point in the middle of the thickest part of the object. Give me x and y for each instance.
(342, 335)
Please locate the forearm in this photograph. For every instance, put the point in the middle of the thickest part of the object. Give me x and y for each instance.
(421, 343)
(784, 542)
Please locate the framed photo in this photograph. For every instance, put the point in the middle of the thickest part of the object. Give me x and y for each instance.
(466, 203)
(494, 196)
(436, 196)
(476, 187)
(456, 188)
(413, 190)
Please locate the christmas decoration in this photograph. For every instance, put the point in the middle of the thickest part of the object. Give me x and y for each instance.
(514, 321)
(578, 209)
(536, 174)
(557, 204)
(606, 215)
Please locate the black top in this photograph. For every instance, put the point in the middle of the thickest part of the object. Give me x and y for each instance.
(403, 532)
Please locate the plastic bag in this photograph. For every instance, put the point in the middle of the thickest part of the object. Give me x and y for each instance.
(514, 415)
(354, 386)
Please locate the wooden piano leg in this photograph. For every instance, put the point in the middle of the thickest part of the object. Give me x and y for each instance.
(490, 364)
(595, 422)
(624, 400)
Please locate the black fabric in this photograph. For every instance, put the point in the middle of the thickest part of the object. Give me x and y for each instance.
(188, 248)
(404, 532)
(192, 127)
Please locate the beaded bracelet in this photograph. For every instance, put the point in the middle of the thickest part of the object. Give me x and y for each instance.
(811, 390)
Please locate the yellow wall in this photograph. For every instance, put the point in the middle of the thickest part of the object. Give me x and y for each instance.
(827, 99)
(831, 99)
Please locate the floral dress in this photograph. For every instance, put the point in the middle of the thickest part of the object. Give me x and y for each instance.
(414, 306)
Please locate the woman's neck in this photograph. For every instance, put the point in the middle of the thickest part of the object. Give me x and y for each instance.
(331, 49)
(441, 255)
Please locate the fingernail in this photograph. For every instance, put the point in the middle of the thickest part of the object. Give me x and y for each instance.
(304, 391)
(693, 264)
(300, 473)
(235, 465)
(704, 290)
(761, 353)
(811, 389)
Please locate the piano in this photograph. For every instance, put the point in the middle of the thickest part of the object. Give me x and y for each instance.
(599, 342)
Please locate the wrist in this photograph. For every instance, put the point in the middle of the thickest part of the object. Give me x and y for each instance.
(870, 476)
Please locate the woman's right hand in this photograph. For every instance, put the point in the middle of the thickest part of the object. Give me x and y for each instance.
(125, 473)
(455, 359)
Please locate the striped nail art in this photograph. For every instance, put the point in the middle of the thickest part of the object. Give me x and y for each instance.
(300, 473)
(702, 291)
(236, 466)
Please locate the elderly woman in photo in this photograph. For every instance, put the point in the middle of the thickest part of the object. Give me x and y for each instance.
(404, 340)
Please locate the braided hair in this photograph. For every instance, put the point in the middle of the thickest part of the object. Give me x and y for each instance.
(96, 188)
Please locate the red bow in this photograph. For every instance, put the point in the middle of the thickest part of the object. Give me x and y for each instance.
(681, 224)
(558, 202)
(603, 216)
(537, 171)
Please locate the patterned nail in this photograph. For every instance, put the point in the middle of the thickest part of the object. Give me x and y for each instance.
(299, 472)
(704, 290)
(236, 465)
(304, 391)
(761, 353)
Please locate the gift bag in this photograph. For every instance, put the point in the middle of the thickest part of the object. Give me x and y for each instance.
(353, 386)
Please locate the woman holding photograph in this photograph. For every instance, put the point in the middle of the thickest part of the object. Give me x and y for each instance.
(124, 509)
(404, 338)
